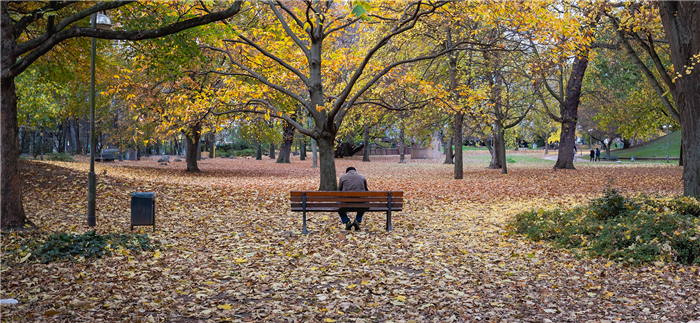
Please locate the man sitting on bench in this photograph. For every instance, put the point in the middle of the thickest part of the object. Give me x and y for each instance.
(352, 181)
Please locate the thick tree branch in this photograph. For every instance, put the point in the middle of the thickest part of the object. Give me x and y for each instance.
(38, 50)
(289, 31)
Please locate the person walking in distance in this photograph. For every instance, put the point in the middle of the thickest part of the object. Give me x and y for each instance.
(597, 154)
(352, 181)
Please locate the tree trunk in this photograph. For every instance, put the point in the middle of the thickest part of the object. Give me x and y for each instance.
(22, 139)
(327, 161)
(365, 144)
(76, 127)
(87, 135)
(258, 152)
(288, 140)
(212, 145)
(569, 114)
(459, 163)
(11, 198)
(302, 153)
(198, 145)
(41, 143)
(680, 159)
(272, 150)
(681, 20)
(449, 156)
(69, 136)
(501, 147)
(314, 155)
(496, 151)
(402, 147)
(192, 149)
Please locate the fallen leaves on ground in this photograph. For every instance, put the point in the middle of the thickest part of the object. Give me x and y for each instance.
(231, 248)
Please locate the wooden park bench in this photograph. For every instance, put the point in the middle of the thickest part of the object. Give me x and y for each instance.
(334, 201)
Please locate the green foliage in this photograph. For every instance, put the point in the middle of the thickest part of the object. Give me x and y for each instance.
(237, 148)
(65, 157)
(58, 246)
(612, 204)
(635, 230)
(510, 160)
(244, 152)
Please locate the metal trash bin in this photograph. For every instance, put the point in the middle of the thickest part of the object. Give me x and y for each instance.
(143, 210)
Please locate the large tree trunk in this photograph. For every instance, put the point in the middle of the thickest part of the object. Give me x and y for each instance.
(327, 161)
(449, 155)
(681, 20)
(501, 147)
(459, 163)
(569, 114)
(288, 140)
(258, 152)
(365, 144)
(272, 150)
(302, 153)
(192, 148)
(496, 150)
(11, 198)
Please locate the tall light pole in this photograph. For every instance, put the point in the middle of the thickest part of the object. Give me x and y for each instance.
(98, 20)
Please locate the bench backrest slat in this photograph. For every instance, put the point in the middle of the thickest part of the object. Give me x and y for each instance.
(345, 205)
(348, 199)
(346, 194)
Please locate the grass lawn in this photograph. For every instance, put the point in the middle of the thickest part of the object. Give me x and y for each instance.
(654, 148)
(228, 248)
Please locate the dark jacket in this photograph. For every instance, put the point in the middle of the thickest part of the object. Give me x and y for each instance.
(352, 181)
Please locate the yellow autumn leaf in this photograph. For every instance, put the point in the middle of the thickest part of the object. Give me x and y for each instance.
(224, 307)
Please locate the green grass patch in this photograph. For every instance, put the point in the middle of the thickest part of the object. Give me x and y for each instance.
(654, 148)
(635, 230)
(60, 245)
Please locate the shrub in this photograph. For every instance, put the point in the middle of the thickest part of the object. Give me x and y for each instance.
(635, 230)
(58, 246)
(510, 160)
(244, 152)
(60, 157)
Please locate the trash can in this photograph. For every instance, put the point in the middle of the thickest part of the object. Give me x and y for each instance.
(143, 210)
(633, 159)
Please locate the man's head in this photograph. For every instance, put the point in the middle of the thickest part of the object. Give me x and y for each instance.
(347, 170)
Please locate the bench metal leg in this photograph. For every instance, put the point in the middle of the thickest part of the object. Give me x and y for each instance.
(388, 221)
(303, 229)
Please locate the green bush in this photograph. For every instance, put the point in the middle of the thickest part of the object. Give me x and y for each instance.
(510, 160)
(244, 152)
(635, 230)
(58, 246)
(60, 157)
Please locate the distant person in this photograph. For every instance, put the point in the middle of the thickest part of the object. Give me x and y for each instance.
(352, 181)
(597, 154)
(574, 152)
(592, 155)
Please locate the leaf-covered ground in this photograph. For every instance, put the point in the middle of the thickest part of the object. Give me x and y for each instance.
(230, 249)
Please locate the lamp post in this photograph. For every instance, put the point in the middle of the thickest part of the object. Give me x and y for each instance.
(667, 145)
(100, 21)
